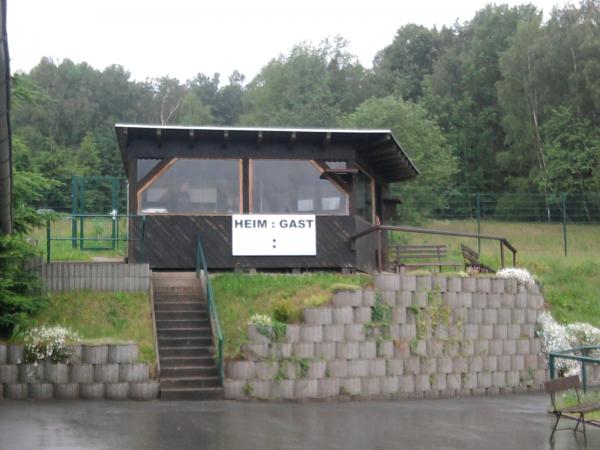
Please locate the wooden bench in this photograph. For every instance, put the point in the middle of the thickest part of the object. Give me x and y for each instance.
(471, 259)
(403, 256)
(558, 385)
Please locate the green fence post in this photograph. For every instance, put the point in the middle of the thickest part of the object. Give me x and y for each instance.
(114, 210)
(478, 222)
(563, 196)
(74, 194)
(81, 211)
(48, 240)
(551, 366)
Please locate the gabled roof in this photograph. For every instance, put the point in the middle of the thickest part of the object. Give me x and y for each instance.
(378, 148)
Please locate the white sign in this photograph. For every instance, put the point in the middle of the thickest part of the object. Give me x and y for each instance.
(274, 235)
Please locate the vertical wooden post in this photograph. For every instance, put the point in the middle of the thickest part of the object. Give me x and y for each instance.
(502, 253)
(379, 251)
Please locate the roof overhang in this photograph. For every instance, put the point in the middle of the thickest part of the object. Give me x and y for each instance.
(378, 148)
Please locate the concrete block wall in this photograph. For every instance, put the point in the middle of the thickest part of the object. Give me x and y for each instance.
(446, 337)
(98, 276)
(93, 372)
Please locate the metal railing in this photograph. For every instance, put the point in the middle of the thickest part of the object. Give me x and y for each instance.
(567, 354)
(212, 308)
(80, 238)
(379, 229)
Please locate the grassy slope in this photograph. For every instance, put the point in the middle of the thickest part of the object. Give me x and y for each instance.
(240, 296)
(103, 316)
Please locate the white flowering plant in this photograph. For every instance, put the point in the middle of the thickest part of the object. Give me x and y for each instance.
(48, 343)
(521, 275)
(265, 325)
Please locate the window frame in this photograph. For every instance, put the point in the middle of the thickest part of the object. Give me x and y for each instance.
(372, 191)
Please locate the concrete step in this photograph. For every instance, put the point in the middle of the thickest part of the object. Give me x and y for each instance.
(189, 332)
(191, 393)
(185, 306)
(190, 371)
(184, 341)
(175, 298)
(186, 351)
(189, 382)
(185, 322)
(180, 361)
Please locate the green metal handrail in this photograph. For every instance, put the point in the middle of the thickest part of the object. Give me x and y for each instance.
(212, 308)
(565, 354)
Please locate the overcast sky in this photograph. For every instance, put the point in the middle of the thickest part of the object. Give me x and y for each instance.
(180, 38)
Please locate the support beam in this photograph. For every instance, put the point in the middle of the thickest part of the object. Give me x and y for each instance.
(259, 139)
(191, 138)
(225, 138)
(326, 141)
(159, 137)
(292, 139)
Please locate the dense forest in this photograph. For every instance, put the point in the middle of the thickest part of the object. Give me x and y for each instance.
(506, 101)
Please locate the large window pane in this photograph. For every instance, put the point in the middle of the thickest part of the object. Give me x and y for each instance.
(195, 186)
(144, 166)
(283, 186)
(364, 197)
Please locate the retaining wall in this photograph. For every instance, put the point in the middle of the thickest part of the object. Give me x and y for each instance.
(97, 276)
(444, 337)
(93, 372)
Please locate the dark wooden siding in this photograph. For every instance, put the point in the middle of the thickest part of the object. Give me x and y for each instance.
(170, 243)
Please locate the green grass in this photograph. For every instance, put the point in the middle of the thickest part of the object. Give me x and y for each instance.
(571, 284)
(569, 398)
(110, 317)
(240, 296)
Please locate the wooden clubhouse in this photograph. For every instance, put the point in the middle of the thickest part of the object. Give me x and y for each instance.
(263, 198)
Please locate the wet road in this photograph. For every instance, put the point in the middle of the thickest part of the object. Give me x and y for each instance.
(510, 422)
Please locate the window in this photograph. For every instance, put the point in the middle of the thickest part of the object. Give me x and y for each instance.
(286, 186)
(144, 166)
(194, 186)
(364, 196)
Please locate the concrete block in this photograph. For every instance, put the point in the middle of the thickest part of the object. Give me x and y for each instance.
(354, 333)
(486, 331)
(343, 315)
(454, 284)
(15, 391)
(75, 354)
(479, 300)
(499, 379)
(498, 285)
(404, 299)
(123, 353)
(56, 373)
(504, 363)
(460, 364)
(465, 299)
(95, 354)
(407, 282)
(531, 362)
(451, 299)
(350, 386)
(106, 373)
(533, 288)
(377, 368)
(306, 389)
(492, 391)
(440, 332)
(527, 331)
(3, 354)
(494, 300)
(367, 350)
(325, 350)
(283, 389)
(521, 300)
(407, 331)
(288, 369)
(460, 315)
(387, 281)
(424, 283)
(508, 300)
(385, 349)
(412, 365)
(31, 373)
(471, 331)
(81, 373)
(419, 298)
(453, 381)
(266, 370)
(362, 315)
(389, 297)
(475, 364)
(490, 316)
(292, 333)
(482, 347)
(531, 315)
(439, 282)
(256, 351)
(311, 333)
(513, 331)
(444, 365)
(406, 384)
(347, 350)
(66, 391)
(358, 368)
(523, 346)
(15, 354)
(92, 391)
(467, 348)
(537, 302)
(418, 348)
(517, 362)
(394, 367)
(347, 298)
(333, 333)
(388, 385)
(484, 284)
(304, 349)
(368, 297)
(117, 391)
(134, 372)
(234, 389)
(469, 284)
(510, 286)
(512, 378)
(9, 373)
(317, 316)
(399, 315)
(422, 383)
(144, 390)
(456, 332)
(338, 368)
(328, 387)
(500, 332)
(484, 380)
(370, 386)
(518, 316)
(280, 350)
(490, 363)
(41, 391)
(468, 381)
(316, 369)
(475, 316)
(435, 348)
(497, 347)
(428, 366)
(510, 347)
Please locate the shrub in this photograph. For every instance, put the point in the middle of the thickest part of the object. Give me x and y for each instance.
(48, 344)
(286, 311)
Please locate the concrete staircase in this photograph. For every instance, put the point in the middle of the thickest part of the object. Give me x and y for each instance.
(188, 369)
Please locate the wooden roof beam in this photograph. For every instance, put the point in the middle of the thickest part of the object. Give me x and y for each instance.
(292, 139)
(191, 138)
(259, 139)
(226, 138)
(326, 141)
(159, 137)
